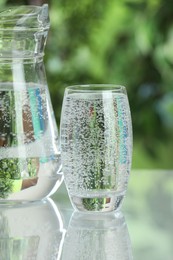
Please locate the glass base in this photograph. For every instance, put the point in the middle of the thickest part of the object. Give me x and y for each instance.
(97, 203)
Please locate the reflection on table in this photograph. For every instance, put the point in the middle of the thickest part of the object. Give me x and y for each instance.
(52, 230)
(31, 231)
(40, 231)
(148, 210)
(92, 236)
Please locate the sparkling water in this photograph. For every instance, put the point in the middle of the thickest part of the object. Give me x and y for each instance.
(96, 143)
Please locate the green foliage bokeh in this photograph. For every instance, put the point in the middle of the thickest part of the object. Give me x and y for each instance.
(126, 42)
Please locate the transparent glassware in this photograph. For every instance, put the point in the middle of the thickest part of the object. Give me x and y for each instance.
(30, 166)
(96, 146)
(97, 236)
(31, 231)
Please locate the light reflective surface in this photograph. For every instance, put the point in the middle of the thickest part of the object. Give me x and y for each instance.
(33, 231)
(97, 236)
(52, 230)
(40, 231)
(148, 211)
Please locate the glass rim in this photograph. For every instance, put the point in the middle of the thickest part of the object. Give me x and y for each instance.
(96, 88)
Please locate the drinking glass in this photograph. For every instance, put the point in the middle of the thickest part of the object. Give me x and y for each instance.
(96, 145)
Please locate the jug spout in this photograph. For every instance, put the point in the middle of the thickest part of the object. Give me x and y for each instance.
(23, 31)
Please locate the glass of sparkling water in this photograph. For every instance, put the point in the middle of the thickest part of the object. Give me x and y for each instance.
(96, 146)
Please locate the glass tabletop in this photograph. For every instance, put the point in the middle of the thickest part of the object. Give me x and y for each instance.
(51, 229)
(148, 214)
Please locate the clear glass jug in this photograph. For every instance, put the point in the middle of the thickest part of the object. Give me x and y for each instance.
(30, 167)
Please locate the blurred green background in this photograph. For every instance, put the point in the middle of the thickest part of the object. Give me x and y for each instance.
(127, 42)
(123, 42)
